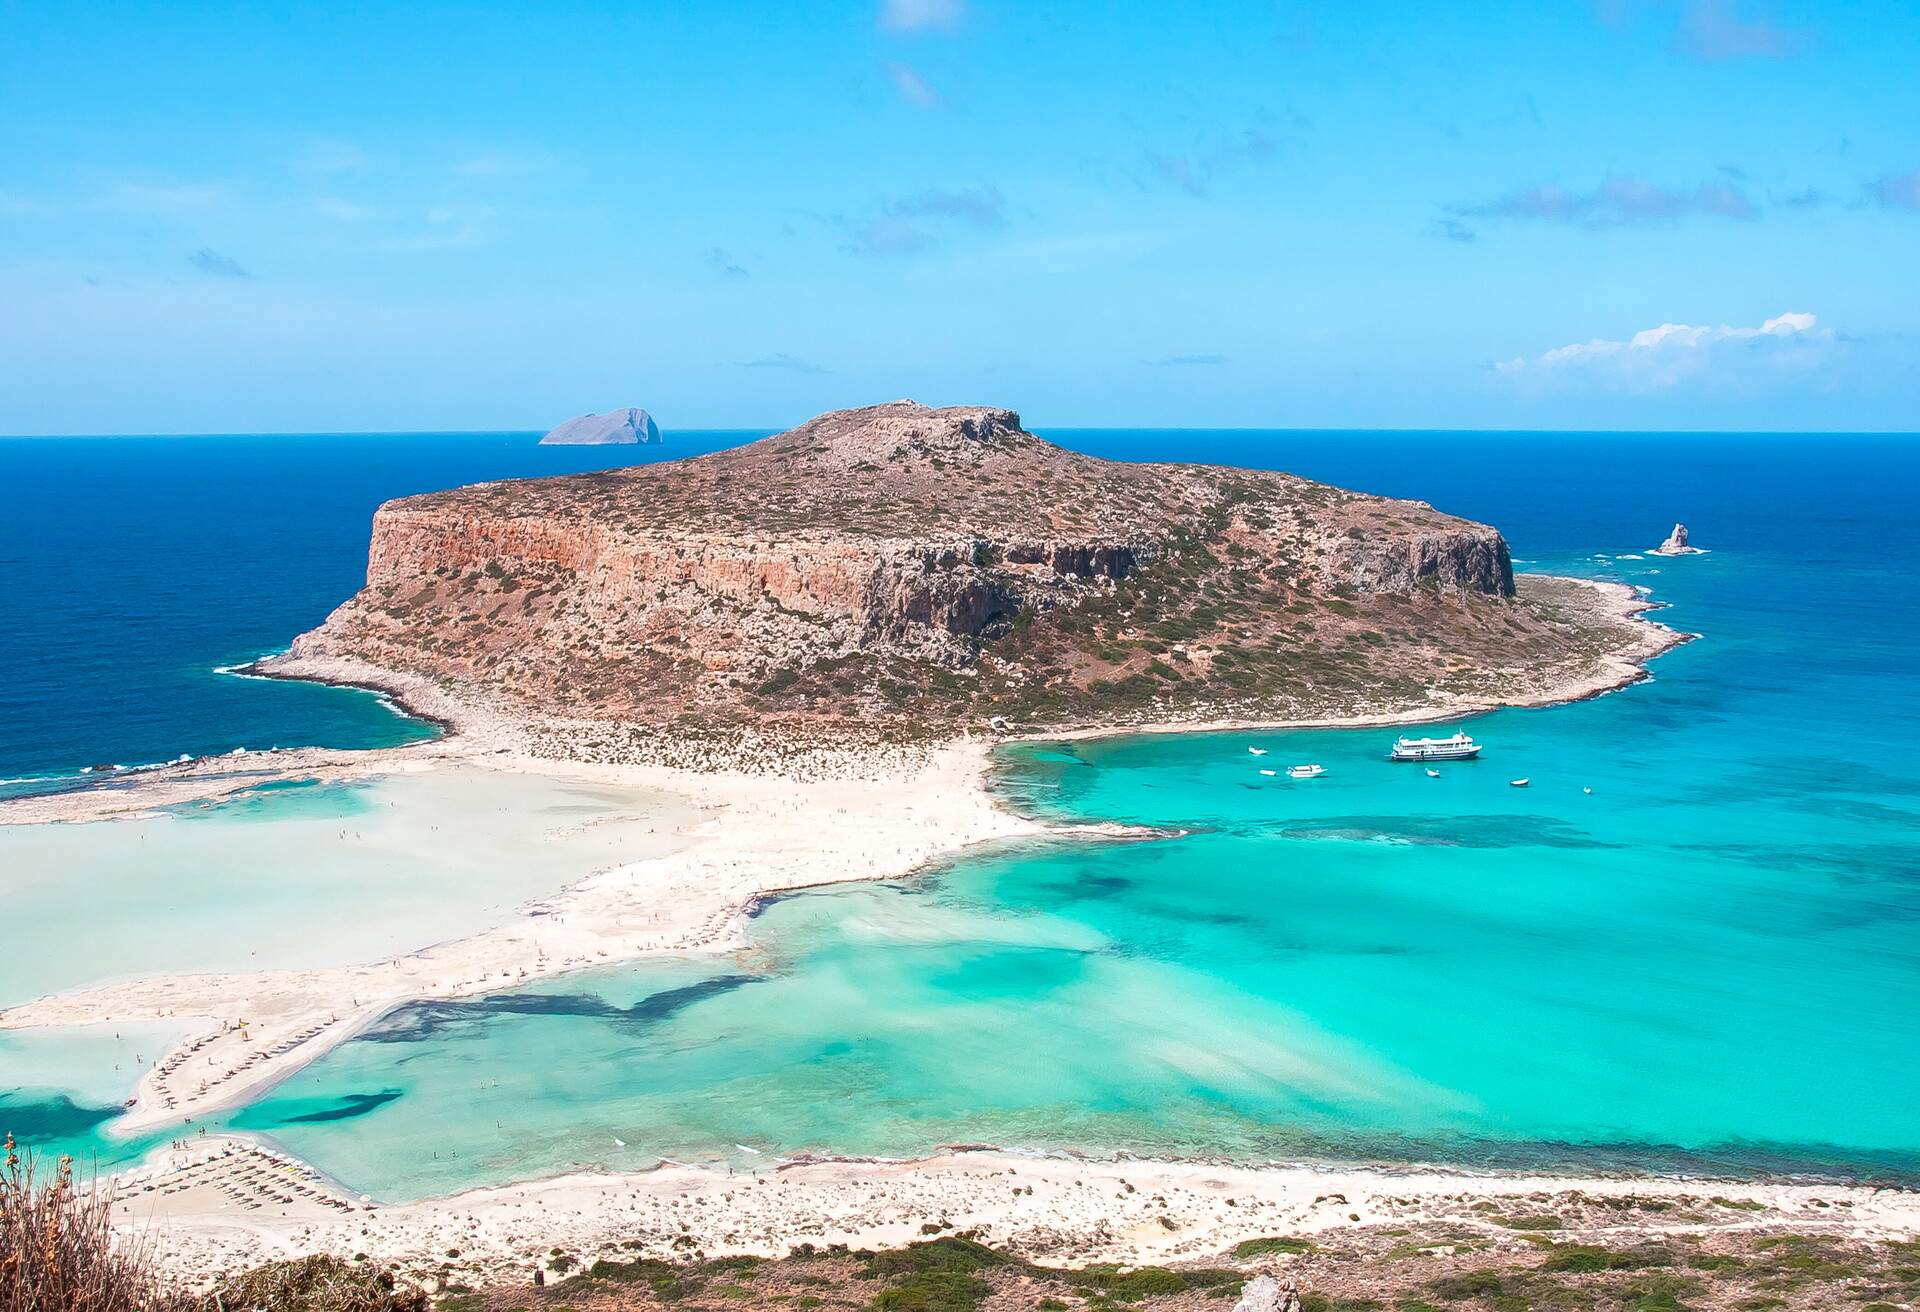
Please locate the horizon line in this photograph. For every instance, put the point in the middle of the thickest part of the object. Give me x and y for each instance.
(1041, 430)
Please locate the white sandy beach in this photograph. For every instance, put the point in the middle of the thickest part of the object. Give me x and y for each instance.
(226, 1204)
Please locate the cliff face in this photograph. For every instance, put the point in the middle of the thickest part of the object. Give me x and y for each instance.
(902, 566)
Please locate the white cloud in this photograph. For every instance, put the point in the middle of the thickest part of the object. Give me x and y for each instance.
(330, 157)
(1657, 358)
(343, 211)
(920, 15)
(913, 88)
(13, 206)
(497, 164)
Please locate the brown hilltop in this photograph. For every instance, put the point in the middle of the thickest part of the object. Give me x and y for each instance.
(898, 570)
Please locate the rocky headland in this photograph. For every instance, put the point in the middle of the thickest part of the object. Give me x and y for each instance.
(901, 573)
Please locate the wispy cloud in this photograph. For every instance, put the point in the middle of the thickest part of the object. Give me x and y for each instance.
(781, 360)
(1449, 228)
(1197, 172)
(1901, 192)
(906, 226)
(164, 198)
(1185, 361)
(343, 211)
(1807, 198)
(496, 164)
(721, 262)
(215, 265)
(1616, 202)
(327, 158)
(1659, 358)
(921, 15)
(885, 236)
(445, 227)
(1714, 31)
(913, 88)
(982, 206)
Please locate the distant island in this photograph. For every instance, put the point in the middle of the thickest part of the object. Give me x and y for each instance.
(628, 427)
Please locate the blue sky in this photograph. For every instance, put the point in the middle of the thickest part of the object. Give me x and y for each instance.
(1631, 213)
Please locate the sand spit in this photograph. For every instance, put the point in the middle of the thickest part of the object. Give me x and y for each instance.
(753, 835)
(221, 1205)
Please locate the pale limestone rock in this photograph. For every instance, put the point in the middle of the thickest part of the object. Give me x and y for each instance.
(626, 427)
(1676, 544)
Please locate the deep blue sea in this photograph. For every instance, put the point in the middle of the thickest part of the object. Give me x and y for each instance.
(1693, 942)
(133, 568)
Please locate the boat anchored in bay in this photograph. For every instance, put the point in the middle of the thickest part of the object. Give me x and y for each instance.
(1457, 748)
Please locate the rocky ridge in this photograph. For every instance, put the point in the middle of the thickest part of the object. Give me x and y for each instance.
(900, 570)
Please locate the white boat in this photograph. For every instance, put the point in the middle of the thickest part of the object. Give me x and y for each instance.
(1269, 773)
(1518, 783)
(1305, 771)
(1432, 773)
(1256, 751)
(1457, 748)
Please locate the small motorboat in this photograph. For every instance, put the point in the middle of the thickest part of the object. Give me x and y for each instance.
(1269, 773)
(1432, 773)
(1256, 751)
(1588, 791)
(1305, 771)
(1518, 783)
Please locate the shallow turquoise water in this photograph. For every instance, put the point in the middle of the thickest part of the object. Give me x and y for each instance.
(1711, 960)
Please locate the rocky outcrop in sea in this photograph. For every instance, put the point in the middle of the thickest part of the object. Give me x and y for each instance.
(1677, 544)
(628, 427)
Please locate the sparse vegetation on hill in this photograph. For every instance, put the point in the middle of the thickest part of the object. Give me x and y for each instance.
(901, 572)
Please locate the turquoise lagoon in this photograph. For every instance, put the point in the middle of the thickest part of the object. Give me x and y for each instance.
(1710, 961)
(295, 876)
(1707, 962)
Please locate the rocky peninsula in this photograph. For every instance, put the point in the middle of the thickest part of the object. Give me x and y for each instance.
(905, 574)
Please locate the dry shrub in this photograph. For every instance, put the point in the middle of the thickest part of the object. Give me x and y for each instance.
(57, 1251)
(321, 1283)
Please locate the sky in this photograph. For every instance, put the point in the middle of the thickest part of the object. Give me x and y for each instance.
(1611, 214)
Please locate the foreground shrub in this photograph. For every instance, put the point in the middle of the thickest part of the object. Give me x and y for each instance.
(312, 1284)
(57, 1252)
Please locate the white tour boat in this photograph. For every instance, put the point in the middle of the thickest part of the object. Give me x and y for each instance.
(1305, 771)
(1457, 748)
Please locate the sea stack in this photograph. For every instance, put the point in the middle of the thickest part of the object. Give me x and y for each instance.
(1676, 544)
(628, 427)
